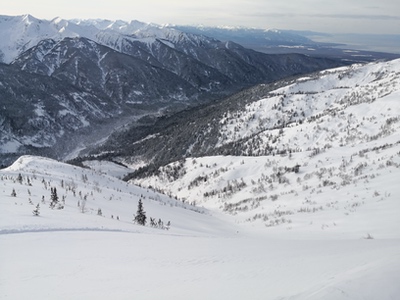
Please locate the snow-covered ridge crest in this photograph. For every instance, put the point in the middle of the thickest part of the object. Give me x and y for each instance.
(19, 33)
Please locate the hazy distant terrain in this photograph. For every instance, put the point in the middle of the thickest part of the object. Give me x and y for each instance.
(351, 47)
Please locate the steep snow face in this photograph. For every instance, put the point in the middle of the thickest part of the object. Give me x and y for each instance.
(321, 155)
(20, 33)
(29, 32)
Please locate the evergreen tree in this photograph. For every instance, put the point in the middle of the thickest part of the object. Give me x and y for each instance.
(19, 178)
(140, 217)
(36, 211)
(53, 197)
(13, 193)
(160, 224)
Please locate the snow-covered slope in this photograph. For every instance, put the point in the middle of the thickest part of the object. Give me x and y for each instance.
(333, 108)
(76, 253)
(321, 154)
(115, 198)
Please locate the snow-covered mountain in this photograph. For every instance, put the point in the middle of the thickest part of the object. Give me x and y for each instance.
(128, 69)
(250, 36)
(99, 70)
(19, 33)
(253, 122)
(37, 111)
(204, 62)
(308, 154)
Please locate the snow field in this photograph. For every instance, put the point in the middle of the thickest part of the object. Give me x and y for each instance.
(67, 254)
(104, 265)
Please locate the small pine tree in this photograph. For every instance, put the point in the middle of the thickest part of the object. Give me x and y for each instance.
(36, 211)
(140, 217)
(19, 178)
(99, 212)
(53, 197)
(168, 225)
(13, 193)
(160, 224)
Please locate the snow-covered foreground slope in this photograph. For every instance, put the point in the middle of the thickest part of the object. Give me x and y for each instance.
(104, 265)
(70, 254)
(85, 192)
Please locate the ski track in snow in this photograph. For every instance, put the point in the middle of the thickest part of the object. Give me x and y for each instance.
(16, 231)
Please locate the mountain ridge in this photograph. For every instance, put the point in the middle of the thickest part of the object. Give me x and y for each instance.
(152, 71)
(326, 145)
(224, 129)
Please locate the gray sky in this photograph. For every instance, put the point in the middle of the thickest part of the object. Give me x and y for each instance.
(332, 16)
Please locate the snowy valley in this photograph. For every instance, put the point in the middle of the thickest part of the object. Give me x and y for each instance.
(293, 194)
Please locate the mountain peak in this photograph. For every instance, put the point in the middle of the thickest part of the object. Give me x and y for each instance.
(29, 19)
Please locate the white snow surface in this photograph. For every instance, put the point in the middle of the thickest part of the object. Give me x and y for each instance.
(70, 254)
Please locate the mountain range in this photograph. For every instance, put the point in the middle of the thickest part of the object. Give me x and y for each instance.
(111, 73)
(351, 47)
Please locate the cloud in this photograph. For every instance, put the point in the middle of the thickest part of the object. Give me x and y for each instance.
(355, 16)
(323, 16)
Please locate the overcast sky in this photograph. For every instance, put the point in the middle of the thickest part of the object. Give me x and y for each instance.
(332, 16)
